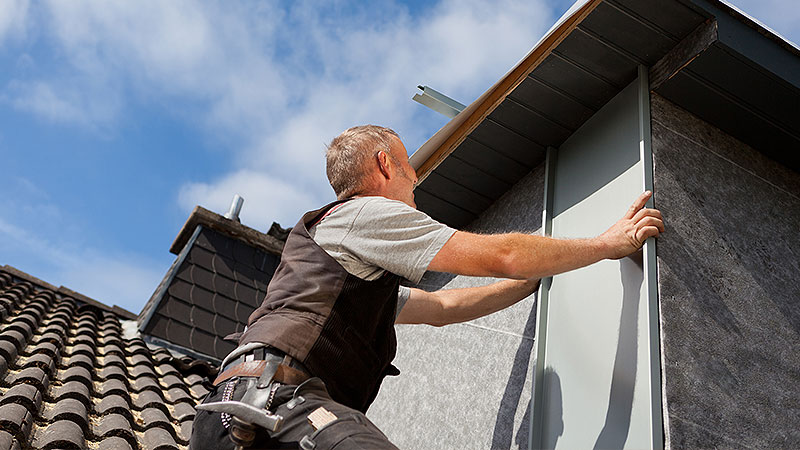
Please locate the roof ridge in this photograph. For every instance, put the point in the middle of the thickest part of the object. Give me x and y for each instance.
(232, 228)
(67, 292)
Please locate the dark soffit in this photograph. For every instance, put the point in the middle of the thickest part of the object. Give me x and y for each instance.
(747, 83)
(595, 60)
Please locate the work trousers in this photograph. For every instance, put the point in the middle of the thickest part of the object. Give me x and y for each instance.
(350, 430)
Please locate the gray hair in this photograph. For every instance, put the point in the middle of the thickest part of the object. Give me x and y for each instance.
(349, 153)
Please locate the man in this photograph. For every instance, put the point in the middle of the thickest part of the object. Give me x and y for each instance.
(317, 349)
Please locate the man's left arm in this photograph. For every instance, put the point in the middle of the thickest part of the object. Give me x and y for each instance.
(460, 305)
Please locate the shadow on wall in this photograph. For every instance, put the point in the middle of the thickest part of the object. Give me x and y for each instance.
(554, 416)
(620, 401)
(504, 423)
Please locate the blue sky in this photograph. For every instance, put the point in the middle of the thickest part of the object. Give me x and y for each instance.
(117, 118)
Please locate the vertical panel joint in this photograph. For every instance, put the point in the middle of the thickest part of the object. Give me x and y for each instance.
(535, 433)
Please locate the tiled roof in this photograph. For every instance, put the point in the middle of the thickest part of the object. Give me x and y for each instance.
(219, 277)
(69, 378)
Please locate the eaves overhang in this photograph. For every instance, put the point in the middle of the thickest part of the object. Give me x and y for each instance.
(589, 56)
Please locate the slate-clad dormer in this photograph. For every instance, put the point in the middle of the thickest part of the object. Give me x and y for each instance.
(219, 277)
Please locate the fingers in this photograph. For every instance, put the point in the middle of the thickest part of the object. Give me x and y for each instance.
(646, 232)
(649, 223)
(638, 204)
(644, 216)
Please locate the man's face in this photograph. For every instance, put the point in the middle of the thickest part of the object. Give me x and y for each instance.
(403, 184)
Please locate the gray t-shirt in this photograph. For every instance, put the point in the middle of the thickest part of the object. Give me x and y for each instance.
(371, 235)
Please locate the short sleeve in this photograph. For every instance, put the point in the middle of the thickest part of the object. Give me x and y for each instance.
(403, 293)
(396, 237)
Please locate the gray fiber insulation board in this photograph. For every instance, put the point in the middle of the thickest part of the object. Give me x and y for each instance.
(468, 386)
(729, 287)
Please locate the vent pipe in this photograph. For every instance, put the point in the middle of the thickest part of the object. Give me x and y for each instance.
(236, 207)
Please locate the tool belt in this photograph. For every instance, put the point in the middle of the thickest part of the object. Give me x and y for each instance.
(253, 363)
(265, 369)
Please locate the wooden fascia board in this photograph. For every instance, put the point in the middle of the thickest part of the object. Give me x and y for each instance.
(487, 103)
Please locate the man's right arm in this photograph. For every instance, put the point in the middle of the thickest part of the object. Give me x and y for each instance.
(523, 256)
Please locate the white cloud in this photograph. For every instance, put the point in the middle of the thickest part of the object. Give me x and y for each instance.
(267, 198)
(13, 15)
(61, 104)
(270, 86)
(366, 70)
(28, 189)
(256, 73)
(205, 52)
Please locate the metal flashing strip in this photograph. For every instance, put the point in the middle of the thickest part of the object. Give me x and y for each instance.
(438, 102)
(540, 339)
(650, 265)
(565, 395)
(162, 288)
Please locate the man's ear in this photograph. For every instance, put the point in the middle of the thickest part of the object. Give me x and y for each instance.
(383, 163)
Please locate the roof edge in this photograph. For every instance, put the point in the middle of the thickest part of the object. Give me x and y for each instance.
(757, 25)
(149, 309)
(122, 312)
(214, 221)
(66, 292)
(13, 271)
(452, 134)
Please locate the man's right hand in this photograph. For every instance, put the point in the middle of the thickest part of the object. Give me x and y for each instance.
(629, 233)
(521, 256)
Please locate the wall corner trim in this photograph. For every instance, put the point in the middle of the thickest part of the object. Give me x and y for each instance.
(650, 265)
